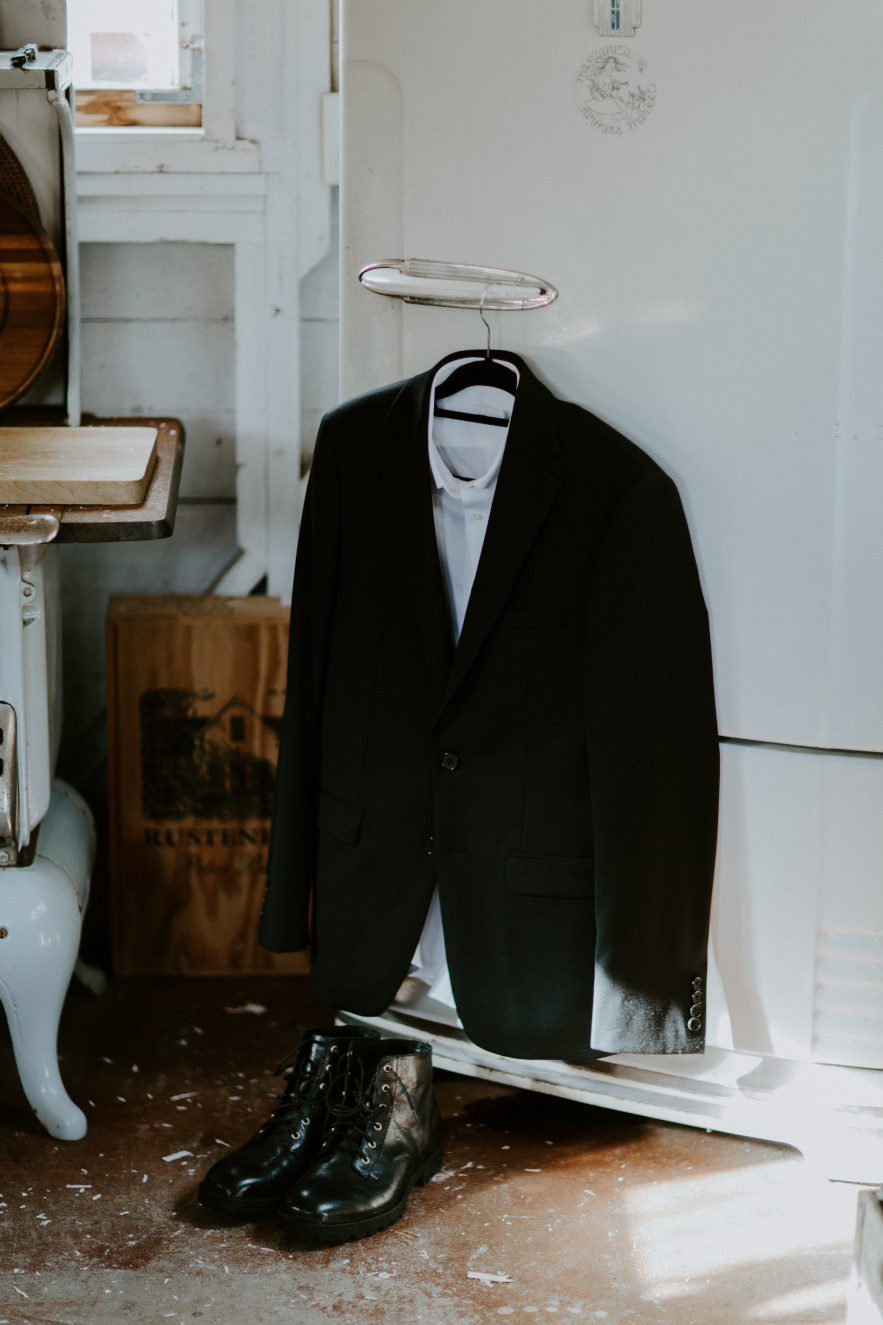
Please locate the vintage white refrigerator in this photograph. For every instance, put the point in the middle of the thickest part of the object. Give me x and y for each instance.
(703, 185)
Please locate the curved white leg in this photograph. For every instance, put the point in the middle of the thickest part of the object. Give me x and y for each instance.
(41, 912)
(42, 918)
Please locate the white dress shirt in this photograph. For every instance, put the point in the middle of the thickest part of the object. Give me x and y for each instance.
(465, 459)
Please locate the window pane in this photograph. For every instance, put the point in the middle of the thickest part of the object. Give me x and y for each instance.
(133, 44)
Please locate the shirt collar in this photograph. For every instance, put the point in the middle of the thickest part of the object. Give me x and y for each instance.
(440, 472)
(458, 486)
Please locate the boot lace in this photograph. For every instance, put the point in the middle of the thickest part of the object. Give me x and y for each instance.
(302, 1086)
(353, 1101)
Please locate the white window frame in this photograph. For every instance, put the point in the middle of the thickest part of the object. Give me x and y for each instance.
(101, 150)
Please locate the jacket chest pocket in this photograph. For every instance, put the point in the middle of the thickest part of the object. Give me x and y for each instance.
(340, 819)
(551, 876)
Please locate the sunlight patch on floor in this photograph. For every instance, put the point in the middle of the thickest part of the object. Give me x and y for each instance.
(774, 1234)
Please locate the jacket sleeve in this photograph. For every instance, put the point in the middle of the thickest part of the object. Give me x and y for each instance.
(654, 765)
(284, 924)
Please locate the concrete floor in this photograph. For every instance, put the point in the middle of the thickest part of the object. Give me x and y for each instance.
(544, 1209)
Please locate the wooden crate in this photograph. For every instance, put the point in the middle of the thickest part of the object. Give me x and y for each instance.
(195, 696)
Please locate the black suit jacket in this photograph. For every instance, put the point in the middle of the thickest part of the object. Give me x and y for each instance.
(556, 774)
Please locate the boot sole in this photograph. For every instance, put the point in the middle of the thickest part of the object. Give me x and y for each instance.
(361, 1228)
(233, 1205)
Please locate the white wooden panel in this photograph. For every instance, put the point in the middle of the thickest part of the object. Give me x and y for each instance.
(180, 189)
(44, 23)
(857, 624)
(320, 288)
(282, 474)
(252, 336)
(331, 138)
(372, 226)
(162, 199)
(105, 222)
(209, 455)
(287, 123)
(115, 150)
(853, 845)
(132, 281)
(319, 364)
(313, 41)
(218, 97)
(158, 367)
(767, 898)
(204, 540)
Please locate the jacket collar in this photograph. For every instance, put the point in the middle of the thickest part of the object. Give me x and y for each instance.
(525, 491)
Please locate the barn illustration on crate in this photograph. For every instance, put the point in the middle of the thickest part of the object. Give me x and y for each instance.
(201, 761)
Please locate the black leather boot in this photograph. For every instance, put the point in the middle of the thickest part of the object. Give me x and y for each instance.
(384, 1135)
(252, 1180)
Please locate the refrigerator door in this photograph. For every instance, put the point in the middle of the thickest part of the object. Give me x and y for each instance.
(707, 196)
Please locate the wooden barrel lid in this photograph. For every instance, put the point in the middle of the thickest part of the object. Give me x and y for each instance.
(31, 301)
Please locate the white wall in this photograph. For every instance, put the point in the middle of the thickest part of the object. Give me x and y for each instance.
(158, 336)
(320, 338)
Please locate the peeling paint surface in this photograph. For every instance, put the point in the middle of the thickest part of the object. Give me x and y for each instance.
(545, 1209)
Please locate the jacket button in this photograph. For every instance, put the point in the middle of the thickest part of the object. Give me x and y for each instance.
(694, 1024)
(696, 1010)
(698, 982)
(449, 761)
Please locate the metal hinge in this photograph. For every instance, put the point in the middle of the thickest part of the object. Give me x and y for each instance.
(618, 18)
(8, 787)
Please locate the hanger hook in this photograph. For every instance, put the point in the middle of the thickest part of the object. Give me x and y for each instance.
(484, 320)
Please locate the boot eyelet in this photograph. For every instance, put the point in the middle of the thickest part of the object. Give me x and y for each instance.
(295, 1136)
(373, 1145)
(364, 1159)
(335, 1049)
(386, 1088)
(378, 1127)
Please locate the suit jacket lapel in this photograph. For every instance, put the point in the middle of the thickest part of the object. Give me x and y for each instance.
(525, 491)
(416, 550)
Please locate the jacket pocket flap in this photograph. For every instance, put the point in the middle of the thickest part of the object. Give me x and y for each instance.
(513, 619)
(551, 876)
(340, 819)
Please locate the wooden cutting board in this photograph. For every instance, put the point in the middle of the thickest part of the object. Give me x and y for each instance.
(76, 466)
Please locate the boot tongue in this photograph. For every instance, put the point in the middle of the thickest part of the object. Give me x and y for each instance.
(313, 1076)
(303, 1082)
(351, 1097)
